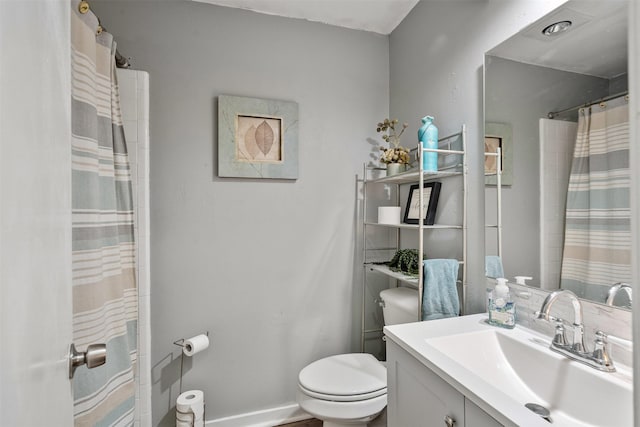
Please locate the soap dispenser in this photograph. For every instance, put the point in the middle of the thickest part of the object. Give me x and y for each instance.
(502, 309)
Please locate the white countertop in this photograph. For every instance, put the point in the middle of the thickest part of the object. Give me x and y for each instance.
(414, 337)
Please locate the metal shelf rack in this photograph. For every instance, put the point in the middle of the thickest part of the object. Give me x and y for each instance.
(457, 169)
(498, 225)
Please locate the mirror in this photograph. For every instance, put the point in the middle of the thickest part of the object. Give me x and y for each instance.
(527, 77)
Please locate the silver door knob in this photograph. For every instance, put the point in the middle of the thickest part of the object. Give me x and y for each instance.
(96, 355)
(448, 421)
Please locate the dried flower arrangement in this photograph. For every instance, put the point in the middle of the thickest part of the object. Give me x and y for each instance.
(395, 153)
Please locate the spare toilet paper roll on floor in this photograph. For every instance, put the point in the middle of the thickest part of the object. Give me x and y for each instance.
(195, 344)
(190, 409)
(389, 215)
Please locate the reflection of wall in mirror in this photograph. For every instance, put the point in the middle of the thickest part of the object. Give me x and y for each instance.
(520, 94)
(557, 139)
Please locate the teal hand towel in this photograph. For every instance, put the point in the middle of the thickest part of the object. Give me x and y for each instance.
(440, 292)
(493, 267)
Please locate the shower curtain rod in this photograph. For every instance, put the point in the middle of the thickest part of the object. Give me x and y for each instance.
(552, 114)
(121, 61)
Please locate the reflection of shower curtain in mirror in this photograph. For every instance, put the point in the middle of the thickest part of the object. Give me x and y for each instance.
(597, 246)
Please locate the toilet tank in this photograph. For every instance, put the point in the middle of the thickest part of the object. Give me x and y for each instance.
(400, 305)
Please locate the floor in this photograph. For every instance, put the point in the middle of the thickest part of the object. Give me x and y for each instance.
(381, 421)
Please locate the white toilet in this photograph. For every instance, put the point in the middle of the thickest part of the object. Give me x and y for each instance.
(351, 389)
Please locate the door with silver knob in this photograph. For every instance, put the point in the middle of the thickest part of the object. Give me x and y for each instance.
(96, 355)
(35, 209)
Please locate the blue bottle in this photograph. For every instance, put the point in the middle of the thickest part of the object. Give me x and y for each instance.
(428, 137)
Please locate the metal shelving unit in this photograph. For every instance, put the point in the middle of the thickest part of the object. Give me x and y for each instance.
(498, 174)
(419, 176)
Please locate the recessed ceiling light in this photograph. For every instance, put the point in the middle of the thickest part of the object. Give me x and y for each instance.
(556, 28)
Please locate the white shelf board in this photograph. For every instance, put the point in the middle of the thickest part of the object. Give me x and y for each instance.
(384, 269)
(415, 226)
(413, 176)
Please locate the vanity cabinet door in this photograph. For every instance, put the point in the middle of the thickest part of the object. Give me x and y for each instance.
(417, 397)
(476, 417)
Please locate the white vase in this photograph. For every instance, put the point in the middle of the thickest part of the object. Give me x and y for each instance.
(395, 168)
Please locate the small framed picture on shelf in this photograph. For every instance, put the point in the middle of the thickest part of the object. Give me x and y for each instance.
(430, 194)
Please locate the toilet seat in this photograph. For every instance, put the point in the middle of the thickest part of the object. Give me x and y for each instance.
(343, 398)
(344, 378)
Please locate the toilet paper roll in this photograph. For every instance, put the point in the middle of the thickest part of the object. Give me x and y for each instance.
(188, 421)
(389, 215)
(190, 408)
(195, 344)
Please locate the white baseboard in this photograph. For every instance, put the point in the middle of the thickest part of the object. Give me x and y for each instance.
(265, 418)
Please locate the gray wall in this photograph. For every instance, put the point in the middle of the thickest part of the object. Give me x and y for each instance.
(520, 94)
(266, 266)
(436, 57)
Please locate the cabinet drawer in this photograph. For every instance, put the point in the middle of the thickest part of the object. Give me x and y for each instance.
(417, 397)
(476, 417)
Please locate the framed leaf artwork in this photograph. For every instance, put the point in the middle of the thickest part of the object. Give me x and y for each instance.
(498, 135)
(257, 138)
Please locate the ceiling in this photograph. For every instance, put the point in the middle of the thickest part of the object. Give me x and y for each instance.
(595, 45)
(378, 16)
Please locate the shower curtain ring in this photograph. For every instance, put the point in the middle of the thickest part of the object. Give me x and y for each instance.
(83, 7)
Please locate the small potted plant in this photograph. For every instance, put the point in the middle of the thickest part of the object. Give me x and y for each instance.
(395, 157)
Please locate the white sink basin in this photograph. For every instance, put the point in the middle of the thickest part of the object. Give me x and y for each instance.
(502, 370)
(522, 366)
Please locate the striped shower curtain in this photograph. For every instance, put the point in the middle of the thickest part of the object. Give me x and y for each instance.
(104, 287)
(597, 246)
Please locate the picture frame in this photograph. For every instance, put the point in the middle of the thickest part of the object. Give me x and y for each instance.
(257, 138)
(498, 135)
(431, 193)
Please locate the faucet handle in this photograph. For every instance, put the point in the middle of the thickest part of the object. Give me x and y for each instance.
(600, 354)
(601, 338)
(559, 337)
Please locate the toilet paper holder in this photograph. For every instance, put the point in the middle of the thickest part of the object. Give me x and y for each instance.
(180, 343)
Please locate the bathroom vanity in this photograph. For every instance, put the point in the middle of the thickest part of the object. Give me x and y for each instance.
(462, 372)
(417, 396)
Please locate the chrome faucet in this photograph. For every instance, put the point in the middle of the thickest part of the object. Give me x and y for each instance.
(614, 289)
(576, 350)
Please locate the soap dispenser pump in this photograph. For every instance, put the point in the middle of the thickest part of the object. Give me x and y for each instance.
(502, 309)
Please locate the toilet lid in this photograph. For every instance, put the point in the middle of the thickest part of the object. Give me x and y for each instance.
(345, 375)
